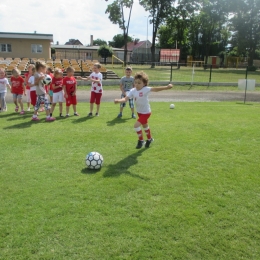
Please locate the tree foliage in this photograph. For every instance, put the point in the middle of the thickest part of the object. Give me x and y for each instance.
(99, 42)
(105, 51)
(119, 41)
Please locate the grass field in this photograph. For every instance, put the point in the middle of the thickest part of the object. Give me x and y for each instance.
(184, 74)
(194, 194)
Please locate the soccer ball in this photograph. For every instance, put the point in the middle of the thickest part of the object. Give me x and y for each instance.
(47, 80)
(94, 160)
(172, 106)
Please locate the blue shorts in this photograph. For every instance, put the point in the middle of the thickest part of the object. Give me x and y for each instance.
(51, 93)
(19, 96)
(131, 102)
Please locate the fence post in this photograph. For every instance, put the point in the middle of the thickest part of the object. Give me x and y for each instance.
(210, 74)
(171, 73)
(246, 85)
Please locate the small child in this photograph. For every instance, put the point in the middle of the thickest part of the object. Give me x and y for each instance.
(140, 95)
(26, 79)
(41, 92)
(96, 88)
(3, 90)
(49, 88)
(18, 89)
(70, 89)
(32, 86)
(126, 84)
(57, 86)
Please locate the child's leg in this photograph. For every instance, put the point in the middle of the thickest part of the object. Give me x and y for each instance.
(98, 100)
(28, 98)
(60, 106)
(147, 131)
(37, 106)
(15, 101)
(2, 99)
(74, 108)
(138, 130)
(91, 107)
(92, 101)
(21, 103)
(67, 110)
(47, 106)
(53, 107)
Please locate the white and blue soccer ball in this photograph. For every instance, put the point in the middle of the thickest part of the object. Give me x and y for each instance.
(94, 160)
(47, 80)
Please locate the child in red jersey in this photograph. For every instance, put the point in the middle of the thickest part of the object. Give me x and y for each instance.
(140, 95)
(70, 88)
(57, 86)
(26, 79)
(96, 88)
(18, 89)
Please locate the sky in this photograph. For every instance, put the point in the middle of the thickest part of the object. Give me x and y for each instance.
(68, 19)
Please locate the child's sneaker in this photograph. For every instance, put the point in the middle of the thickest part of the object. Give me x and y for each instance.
(16, 109)
(67, 115)
(35, 119)
(140, 144)
(90, 114)
(119, 115)
(76, 114)
(28, 109)
(49, 119)
(148, 142)
(97, 114)
(22, 112)
(61, 115)
(133, 116)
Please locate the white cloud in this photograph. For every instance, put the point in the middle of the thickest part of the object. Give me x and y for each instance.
(67, 19)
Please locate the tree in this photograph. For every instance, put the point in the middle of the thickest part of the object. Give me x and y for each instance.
(159, 10)
(118, 41)
(246, 27)
(105, 51)
(99, 42)
(116, 12)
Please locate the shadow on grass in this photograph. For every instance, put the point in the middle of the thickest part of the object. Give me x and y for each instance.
(26, 124)
(19, 117)
(122, 167)
(82, 119)
(242, 103)
(117, 121)
(89, 171)
(4, 114)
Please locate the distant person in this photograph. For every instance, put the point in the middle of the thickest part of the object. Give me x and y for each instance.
(70, 89)
(96, 88)
(41, 92)
(58, 94)
(126, 84)
(3, 90)
(27, 88)
(140, 95)
(18, 89)
(33, 95)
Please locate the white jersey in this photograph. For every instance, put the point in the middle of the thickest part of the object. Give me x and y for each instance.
(97, 87)
(3, 85)
(141, 99)
(31, 81)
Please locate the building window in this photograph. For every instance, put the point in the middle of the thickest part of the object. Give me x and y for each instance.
(4, 47)
(36, 48)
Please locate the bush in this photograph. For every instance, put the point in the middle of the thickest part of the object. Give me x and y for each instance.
(252, 68)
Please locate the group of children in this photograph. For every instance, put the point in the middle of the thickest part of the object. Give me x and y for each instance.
(134, 90)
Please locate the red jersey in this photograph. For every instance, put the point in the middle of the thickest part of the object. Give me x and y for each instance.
(57, 82)
(26, 78)
(70, 84)
(17, 85)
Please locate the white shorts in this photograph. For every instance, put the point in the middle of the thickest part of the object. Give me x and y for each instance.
(58, 97)
(28, 96)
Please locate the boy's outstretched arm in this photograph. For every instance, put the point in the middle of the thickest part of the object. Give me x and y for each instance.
(121, 100)
(157, 89)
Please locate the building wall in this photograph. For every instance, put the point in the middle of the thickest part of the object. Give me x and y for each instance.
(21, 48)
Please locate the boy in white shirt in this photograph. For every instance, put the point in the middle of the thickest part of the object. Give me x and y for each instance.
(140, 95)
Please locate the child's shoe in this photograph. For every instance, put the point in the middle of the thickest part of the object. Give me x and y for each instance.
(133, 116)
(90, 114)
(119, 115)
(50, 119)
(35, 119)
(16, 109)
(97, 114)
(76, 114)
(140, 144)
(148, 142)
(61, 115)
(67, 115)
(22, 112)
(28, 109)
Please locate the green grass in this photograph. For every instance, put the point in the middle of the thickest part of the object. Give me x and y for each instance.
(193, 195)
(184, 74)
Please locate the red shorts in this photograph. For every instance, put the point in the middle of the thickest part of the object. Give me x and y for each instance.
(71, 100)
(143, 118)
(33, 97)
(95, 97)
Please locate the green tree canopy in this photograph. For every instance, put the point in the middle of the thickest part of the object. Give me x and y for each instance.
(105, 51)
(99, 42)
(119, 41)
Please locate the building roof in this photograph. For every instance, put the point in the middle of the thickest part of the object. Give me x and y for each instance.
(132, 45)
(80, 47)
(35, 36)
(73, 42)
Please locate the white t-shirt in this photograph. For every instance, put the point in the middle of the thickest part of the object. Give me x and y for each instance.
(97, 87)
(141, 99)
(3, 85)
(31, 81)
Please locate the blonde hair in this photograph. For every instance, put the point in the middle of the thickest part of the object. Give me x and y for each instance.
(70, 69)
(31, 66)
(143, 77)
(57, 71)
(39, 64)
(97, 65)
(3, 70)
(15, 71)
